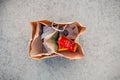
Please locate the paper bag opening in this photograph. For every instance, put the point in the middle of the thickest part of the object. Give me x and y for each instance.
(38, 51)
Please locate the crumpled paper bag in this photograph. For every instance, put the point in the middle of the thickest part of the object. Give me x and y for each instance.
(37, 49)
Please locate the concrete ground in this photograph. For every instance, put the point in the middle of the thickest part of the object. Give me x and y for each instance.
(101, 41)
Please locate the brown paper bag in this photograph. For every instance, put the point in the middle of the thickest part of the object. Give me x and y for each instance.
(38, 51)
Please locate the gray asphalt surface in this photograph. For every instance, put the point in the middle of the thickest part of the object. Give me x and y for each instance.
(101, 41)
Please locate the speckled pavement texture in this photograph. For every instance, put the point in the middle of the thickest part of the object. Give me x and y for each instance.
(101, 41)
